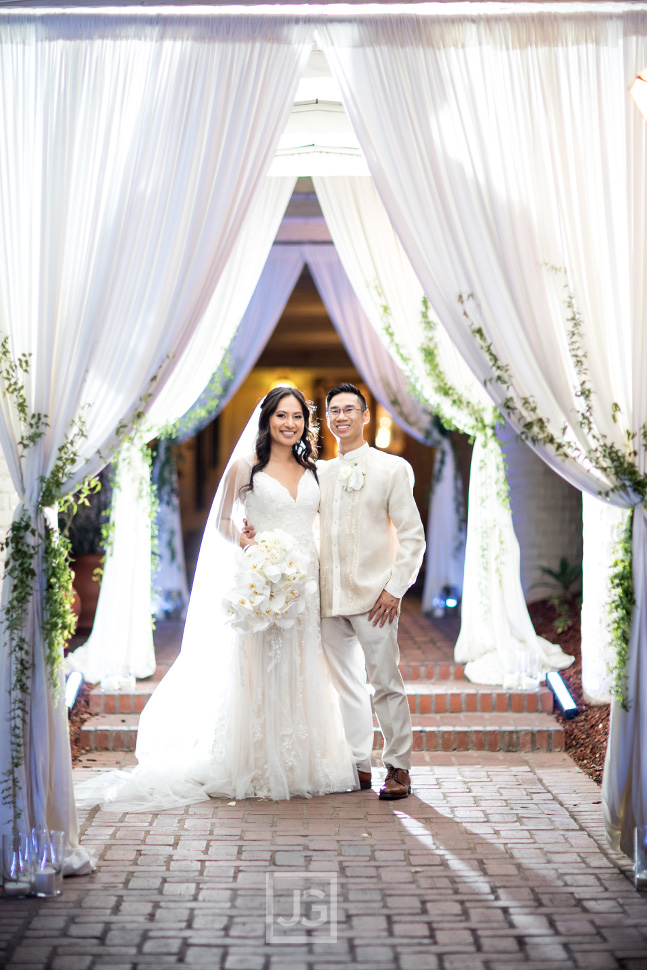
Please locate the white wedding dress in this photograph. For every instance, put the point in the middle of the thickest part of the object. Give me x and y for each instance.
(240, 715)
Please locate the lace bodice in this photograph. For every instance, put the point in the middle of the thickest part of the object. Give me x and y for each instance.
(270, 506)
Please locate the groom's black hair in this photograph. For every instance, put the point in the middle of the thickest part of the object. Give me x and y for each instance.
(346, 389)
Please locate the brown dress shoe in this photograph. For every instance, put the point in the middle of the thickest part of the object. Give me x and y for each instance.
(364, 779)
(397, 783)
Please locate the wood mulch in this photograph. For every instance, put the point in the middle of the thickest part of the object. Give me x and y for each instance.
(587, 732)
(78, 716)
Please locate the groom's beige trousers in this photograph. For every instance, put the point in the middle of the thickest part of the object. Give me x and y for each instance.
(355, 648)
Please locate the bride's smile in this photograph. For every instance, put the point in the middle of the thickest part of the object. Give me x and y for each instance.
(287, 422)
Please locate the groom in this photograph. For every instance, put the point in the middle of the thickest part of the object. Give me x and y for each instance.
(372, 544)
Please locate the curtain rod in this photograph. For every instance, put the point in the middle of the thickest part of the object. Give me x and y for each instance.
(312, 13)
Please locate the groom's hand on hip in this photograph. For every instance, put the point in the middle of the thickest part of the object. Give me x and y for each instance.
(386, 608)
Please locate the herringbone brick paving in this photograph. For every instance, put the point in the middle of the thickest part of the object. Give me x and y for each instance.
(496, 861)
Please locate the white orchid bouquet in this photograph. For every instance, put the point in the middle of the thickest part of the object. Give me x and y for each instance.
(270, 584)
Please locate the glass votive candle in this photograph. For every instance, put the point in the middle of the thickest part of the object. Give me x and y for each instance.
(45, 881)
(16, 866)
(58, 842)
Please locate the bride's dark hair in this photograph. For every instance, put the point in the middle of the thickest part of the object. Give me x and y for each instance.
(304, 450)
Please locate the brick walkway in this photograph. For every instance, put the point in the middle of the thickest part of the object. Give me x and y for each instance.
(497, 860)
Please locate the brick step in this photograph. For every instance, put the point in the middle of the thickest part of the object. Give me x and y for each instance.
(110, 732)
(420, 670)
(432, 732)
(483, 732)
(449, 697)
(121, 701)
(425, 697)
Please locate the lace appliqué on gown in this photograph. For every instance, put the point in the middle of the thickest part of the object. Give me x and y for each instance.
(281, 733)
(258, 716)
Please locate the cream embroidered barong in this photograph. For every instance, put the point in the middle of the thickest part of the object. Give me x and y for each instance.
(372, 537)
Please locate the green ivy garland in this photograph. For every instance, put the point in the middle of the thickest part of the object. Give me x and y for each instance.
(163, 489)
(456, 411)
(621, 612)
(618, 464)
(19, 547)
(26, 549)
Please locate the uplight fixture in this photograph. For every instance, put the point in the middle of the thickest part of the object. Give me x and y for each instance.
(451, 597)
(72, 688)
(561, 693)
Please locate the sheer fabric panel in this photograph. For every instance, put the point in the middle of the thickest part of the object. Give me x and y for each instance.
(522, 150)
(389, 386)
(110, 654)
(228, 305)
(120, 646)
(381, 273)
(445, 556)
(120, 203)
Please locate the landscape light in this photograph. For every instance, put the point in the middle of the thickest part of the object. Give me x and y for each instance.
(451, 597)
(561, 694)
(72, 688)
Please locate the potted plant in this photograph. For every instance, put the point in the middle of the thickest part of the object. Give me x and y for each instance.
(85, 527)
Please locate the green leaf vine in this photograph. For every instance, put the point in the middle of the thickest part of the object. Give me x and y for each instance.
(617, 463)
(30, 552)
(19, 547)
(455, 411)
(621, 612)
(204, 409)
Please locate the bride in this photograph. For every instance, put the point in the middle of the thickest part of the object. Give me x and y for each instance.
(244, 714)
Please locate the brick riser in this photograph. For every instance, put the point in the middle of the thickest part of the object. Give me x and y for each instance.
(415, 670)
(483, 738)
(537, 732)
(118, 702)
(453, 700)
(485, 701)
(109, 732)
(448, 712)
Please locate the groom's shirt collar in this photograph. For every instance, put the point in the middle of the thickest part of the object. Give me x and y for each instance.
(354, 455)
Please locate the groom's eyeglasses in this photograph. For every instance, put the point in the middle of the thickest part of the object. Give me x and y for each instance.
(335, 412)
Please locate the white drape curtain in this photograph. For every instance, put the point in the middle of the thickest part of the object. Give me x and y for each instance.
(382, 374)
(120, 647)
(121, 642)
(497, 642)
(445, 555)
(119, 204)
(388, 384)
(273, 289)
(228, 305)
(101, 659)
(499, 145)
(170, 588)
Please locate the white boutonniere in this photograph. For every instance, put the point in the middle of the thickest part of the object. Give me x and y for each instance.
(352, 477)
